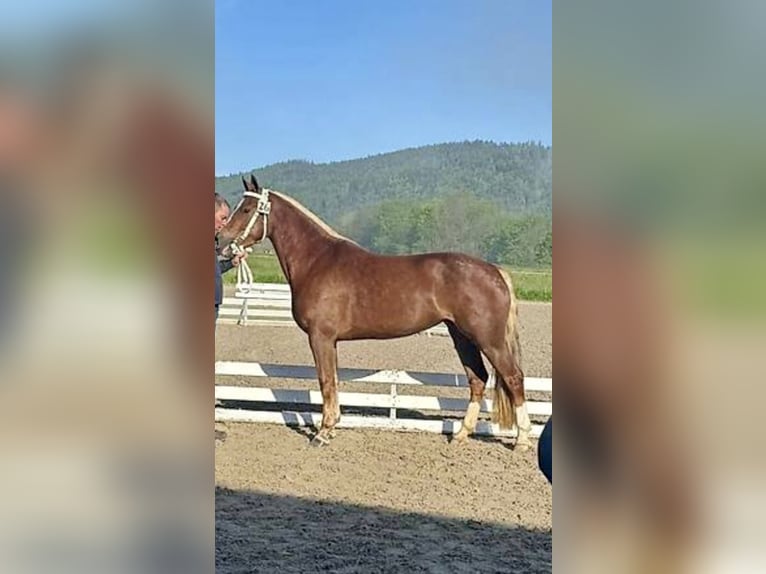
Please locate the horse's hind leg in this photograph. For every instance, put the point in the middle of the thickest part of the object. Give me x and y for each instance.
(509, 389)
(326, 359)
(470, 357)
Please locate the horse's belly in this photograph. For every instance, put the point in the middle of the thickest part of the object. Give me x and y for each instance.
(376, 333)
(351, 317)
(390, 325)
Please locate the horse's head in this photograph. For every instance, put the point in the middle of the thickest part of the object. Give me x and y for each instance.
(248, 223)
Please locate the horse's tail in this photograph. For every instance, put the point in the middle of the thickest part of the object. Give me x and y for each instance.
(503, 412)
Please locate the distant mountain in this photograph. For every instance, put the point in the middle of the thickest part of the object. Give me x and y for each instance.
(516, 177)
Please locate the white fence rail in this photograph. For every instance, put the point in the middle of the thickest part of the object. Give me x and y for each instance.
(269, 304)
(405, 412)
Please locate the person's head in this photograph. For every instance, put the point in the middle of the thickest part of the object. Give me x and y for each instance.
(221, 212)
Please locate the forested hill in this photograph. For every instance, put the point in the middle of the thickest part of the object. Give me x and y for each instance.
(515, 177)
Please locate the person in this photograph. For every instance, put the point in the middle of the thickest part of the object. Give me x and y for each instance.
(222, 210)
(545, 450)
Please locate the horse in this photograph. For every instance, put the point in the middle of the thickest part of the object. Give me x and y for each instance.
(342, 292)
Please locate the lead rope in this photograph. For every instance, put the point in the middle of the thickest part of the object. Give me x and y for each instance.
(244, 273)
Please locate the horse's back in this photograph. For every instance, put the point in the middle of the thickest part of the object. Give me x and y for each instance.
(353, 269)
(361, 293)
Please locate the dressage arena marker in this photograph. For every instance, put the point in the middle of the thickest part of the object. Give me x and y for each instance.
(392, 401)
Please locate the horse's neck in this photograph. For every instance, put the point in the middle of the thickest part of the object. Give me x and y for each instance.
(297, 241)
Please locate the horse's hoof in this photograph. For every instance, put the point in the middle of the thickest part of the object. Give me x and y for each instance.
(459, 438)
(319, 440)
(523, 446)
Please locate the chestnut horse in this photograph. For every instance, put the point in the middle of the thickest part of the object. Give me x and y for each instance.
(341, 292)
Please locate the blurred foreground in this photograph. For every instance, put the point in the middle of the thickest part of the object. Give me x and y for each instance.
(659, 317)
(106, 139)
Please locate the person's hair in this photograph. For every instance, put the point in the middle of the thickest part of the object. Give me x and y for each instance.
(220, 201)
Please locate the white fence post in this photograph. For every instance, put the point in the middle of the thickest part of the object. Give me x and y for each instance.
(243, 314)
(392, 410)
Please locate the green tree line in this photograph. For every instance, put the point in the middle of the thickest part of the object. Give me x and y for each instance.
(487, 199)
(457, 222)
(516, 177)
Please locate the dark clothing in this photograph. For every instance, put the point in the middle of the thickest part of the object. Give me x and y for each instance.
(221, 267)
(545, 450)
(17, 239)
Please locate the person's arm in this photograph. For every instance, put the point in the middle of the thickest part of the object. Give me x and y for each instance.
(225, 265)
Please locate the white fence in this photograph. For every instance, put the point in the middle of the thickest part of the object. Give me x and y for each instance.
(404, 412)
(259, 303)
(269, 304)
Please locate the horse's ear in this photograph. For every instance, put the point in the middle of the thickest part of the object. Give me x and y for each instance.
(254, 183)
(244, 183)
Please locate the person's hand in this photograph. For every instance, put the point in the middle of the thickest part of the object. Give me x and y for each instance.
(238, 257)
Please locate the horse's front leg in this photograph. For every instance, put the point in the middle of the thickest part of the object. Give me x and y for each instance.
(326, 359)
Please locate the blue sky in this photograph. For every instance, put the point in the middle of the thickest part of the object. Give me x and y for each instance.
(339, 79)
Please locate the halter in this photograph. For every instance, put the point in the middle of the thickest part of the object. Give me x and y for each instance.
(263, 208)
